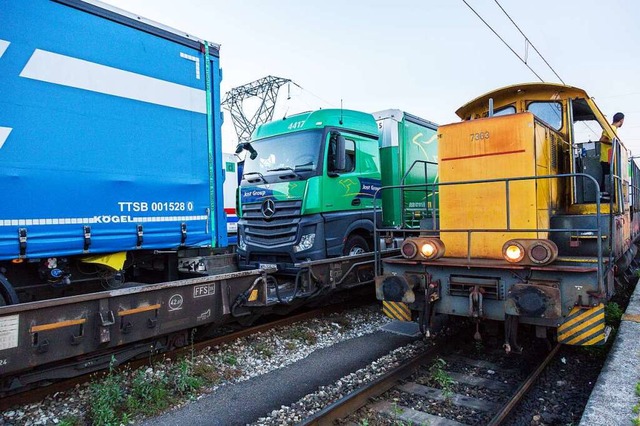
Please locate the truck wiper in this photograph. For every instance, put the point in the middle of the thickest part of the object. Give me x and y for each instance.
(304, 167)
(255, 173)
(280, 169)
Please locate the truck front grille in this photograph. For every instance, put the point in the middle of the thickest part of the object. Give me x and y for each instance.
(281, 228)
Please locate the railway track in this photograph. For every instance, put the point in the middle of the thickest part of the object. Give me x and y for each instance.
(440, 387)
(38, 393)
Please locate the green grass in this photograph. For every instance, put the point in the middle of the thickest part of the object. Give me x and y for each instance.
(636, 408)
(303, 335)
(441, 377)
(107, 398)
(183, 379)
(613, 314)
(115, 401)
(230, 359)
(264, 349)
(148, 395)
(70, 421)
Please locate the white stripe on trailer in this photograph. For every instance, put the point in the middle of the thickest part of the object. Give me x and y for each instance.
(73, 72)
(194, 59)
(4, 134)
(98, 219)
(3, 46)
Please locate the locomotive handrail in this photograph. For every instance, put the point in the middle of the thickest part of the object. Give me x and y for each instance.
(597, 229)
(425, 162)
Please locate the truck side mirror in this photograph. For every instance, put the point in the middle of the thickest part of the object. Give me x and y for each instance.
(247, 146)
(337, 152)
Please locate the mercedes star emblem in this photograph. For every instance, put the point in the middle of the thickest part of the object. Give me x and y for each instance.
(268, 208)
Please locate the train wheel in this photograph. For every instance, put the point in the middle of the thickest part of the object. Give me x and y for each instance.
(8, 295)
(355, 245)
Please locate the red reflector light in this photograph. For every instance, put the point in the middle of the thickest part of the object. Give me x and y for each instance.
(409, 249)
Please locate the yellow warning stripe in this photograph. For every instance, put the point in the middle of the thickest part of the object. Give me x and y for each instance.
(404, 310)
(583, 327)
(393, 311)
(138, 310)
(390, 312)
(55, 325)
(631, 317)
(394, 315)
(570, 332)
(577, 259)
(595, 330)
(582, 316)
(599, 338)
(396, 310)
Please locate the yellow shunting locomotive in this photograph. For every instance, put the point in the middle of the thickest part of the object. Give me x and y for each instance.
(527, 229)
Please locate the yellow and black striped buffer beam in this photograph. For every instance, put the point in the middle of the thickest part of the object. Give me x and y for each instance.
(396, 310)
(583, 327)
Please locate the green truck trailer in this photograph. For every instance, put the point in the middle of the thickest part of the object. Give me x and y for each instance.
(310, 180)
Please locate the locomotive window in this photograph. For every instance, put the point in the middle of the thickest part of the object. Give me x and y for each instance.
(549, 112)
(510, 109)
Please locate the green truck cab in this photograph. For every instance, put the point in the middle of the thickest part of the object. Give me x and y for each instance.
(309, 183)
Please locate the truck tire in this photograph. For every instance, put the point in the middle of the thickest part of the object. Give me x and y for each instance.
(355, 244)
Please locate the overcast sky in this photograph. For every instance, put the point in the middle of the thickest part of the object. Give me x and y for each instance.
(426, 57)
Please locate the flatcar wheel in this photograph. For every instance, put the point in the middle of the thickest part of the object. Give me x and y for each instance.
(248, 320)
(8, 295)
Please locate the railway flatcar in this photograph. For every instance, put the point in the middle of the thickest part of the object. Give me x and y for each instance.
(529, 230)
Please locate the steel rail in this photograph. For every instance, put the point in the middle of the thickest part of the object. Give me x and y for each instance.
(501, 416)
(359, 398)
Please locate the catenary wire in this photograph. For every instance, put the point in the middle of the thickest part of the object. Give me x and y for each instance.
(501, 39)
(529, 41)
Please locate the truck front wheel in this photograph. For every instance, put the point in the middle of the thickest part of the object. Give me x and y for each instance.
(355, 244)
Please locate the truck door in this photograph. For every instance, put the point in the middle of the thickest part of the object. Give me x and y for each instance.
(342, 196)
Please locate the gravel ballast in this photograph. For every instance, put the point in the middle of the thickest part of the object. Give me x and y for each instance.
(239, 361)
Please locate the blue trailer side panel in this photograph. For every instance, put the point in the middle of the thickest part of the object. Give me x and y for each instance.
(103, 125)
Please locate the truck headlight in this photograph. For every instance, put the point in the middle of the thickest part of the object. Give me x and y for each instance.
(241, 244)
(306, 242)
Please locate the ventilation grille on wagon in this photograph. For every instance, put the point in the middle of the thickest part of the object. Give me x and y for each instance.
(461, 285)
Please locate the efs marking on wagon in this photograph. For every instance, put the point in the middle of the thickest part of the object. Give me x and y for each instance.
(204, 290)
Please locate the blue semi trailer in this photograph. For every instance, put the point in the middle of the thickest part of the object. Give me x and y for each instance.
(110, 150)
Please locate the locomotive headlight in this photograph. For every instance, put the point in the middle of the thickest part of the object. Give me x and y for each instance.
(542, 252)
(530, 251)
(513, 252)
(408, 249)
(428, 250)
(421, 248)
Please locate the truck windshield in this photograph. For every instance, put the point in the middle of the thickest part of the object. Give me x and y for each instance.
(295, 152)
